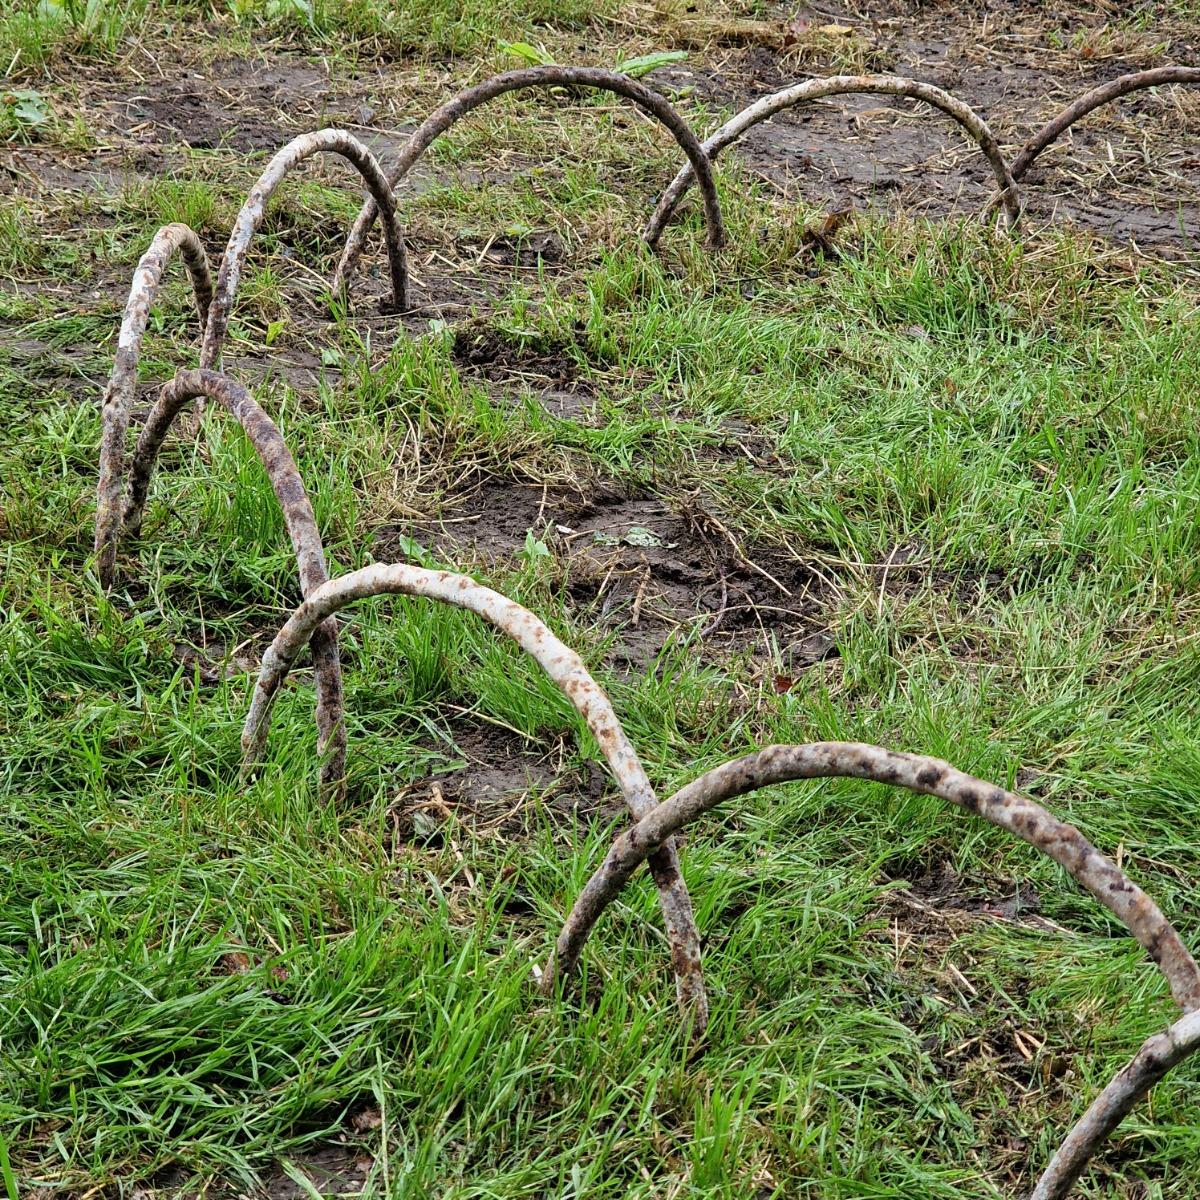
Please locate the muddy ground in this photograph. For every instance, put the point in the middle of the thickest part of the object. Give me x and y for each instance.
(1130, 172)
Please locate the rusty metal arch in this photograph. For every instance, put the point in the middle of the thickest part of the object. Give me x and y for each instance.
(459, 106)
(1015, 814)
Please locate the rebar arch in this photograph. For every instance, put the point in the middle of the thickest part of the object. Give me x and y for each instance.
(1019, 816)
(459, 106)
(1105, 93)
(251, 216)
(298, 517)
(1156, 1056)
(836, 85)
(564, 667)
(118, 395)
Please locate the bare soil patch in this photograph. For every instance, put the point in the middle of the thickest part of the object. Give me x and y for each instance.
(503, 782)
(643, 566)
(486, 352)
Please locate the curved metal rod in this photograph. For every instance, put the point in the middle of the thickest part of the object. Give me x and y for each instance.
(836, 85)
(1019, 816)
(919, 773)
(564, 667)
(1156, 1057)
(298, 516)
(118, 396)
(1106, 92)
(541, 77)
(251, 216)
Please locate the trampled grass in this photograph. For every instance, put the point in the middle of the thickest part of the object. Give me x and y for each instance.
(971, 463)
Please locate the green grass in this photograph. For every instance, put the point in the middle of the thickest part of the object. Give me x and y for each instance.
(37, 34)
(427, 28)
(217, 978)
(32, 32)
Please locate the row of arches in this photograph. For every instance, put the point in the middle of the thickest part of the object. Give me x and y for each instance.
(124, 481)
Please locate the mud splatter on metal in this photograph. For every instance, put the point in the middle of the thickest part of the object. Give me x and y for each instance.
(298, 517)
(1023, 818)
(1104, 94)
(118, 396)
(1156, 1057)
(1019, 816)
(250, 218)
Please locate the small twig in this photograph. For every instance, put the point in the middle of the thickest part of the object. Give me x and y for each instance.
(742, 557)
(967, 985)
(635, 612)
(437, 802)
(883, 581)
(719, 616)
